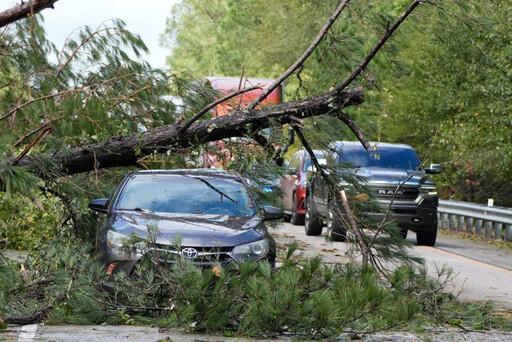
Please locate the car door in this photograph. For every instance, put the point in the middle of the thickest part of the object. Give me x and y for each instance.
(287, 182)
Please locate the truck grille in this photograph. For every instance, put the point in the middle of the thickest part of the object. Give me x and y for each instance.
(402, 194)
(200, 256)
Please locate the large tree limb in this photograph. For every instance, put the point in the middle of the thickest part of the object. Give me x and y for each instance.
(125, 151)
(213, 104)
(26, 9)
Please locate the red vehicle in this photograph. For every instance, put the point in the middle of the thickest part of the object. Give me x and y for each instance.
(219, 153)
(293, 185)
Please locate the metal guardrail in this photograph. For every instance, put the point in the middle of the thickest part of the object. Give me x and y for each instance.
(476, 219)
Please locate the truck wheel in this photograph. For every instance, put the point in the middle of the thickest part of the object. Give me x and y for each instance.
(296, 219)
(427, 238)
(403, 233)
(335, 227)
(313, 224)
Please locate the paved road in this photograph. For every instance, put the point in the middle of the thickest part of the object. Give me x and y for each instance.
(483, 272)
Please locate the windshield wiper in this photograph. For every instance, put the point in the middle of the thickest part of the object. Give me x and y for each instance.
(222, 194)
(137, 209)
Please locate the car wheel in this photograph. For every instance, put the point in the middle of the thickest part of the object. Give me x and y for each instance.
(286, 218)
(313, 224)
(335, 228)
(427, 238)
(296, 219)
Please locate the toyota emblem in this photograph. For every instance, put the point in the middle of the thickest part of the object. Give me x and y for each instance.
(189, 253)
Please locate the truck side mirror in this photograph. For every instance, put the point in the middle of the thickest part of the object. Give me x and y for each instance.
(433, 169)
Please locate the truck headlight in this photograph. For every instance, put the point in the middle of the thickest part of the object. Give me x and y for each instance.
(259, 248)
(429, 190)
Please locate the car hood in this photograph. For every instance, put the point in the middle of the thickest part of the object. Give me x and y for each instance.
(192, 230)
(381, 176)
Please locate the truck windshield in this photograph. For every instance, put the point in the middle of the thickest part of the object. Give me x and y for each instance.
(186, 194)
(383, 157)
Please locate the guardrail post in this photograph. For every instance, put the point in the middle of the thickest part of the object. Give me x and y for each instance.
(508, 232)
(451, 221)
(460, 224)
(488, 227)
(469, 225)
(478, 228)
(498, 226)
(444, 218)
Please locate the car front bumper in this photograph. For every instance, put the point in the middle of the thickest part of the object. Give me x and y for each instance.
(118, 261)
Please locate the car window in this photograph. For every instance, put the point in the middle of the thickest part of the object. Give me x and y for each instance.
(391, 158)
(294, 163)
(186, 194)
(308, 163)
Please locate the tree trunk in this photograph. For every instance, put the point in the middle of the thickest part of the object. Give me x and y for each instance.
(125, 151)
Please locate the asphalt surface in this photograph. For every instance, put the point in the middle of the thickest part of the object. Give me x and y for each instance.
(481, 272)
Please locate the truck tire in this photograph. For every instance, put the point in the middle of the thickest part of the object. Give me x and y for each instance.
(296, 219)
(335, 227)
(427, 238)
(403, 233)
(312, 224)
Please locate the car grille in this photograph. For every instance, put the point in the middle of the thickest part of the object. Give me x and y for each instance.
(200, 256)
(402, 194)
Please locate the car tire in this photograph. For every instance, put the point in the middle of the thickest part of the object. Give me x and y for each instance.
(335, 227)
(287, 218)
(312, 222)
(426, 237)
(296, 219)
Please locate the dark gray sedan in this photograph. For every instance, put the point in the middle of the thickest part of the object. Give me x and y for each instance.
(207, 217)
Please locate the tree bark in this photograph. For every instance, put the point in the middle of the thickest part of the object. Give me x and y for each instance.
(125, 151)
(24, 10)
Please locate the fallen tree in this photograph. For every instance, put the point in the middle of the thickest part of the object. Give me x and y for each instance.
(125, 151)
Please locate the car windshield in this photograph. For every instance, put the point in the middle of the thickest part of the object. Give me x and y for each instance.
(308, 163)
(186, 194)
(383, 157)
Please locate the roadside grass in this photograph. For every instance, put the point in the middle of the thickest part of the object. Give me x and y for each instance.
(479, 239)
(308, 298)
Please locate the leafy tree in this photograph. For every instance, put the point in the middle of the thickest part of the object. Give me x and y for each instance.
(457, 83)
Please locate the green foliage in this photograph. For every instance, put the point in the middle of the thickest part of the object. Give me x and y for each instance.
(15, 179)
(301, 297)
(456, 83)
(24, 225)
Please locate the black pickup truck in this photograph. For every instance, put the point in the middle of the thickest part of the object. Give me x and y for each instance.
(414, 204)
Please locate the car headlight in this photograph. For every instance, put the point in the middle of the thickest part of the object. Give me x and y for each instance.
(114, 239)
(258, 248)
(429, 190)
(117, 241)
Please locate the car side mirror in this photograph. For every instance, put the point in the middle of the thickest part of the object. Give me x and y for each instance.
(272, 213)
(291, 136)
(433, 169)
(100, 205)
